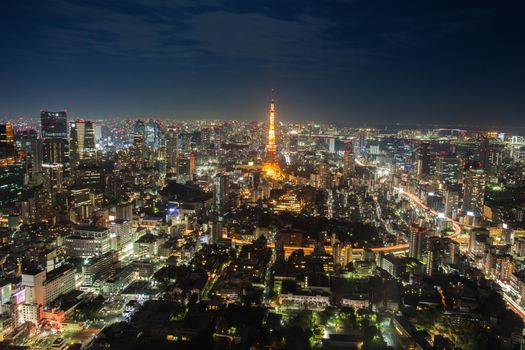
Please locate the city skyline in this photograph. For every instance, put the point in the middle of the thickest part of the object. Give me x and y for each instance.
(280, 174)
(347, 62)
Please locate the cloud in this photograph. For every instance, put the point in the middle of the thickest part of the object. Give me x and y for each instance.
(186, 32)
(259, 38)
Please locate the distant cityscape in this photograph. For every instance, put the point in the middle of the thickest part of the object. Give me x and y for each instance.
(127, 234)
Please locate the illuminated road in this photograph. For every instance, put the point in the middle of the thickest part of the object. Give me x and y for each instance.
(400, 248)
(417, 201)
(513, 305)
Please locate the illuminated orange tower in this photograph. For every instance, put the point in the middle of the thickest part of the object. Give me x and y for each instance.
(271, 148)
(271, 166)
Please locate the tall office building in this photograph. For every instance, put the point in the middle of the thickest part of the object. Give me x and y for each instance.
(11, 184)
(448, 168)
(138, 150)
(55, 151)
(483, 154)
(331, 145)
(82, 144)
(30, 146)
(124, 211)
(185, 168)
(359, 142)
(172, 149)
(152, 133)
(423, 159)
(474, 191)
(53, 125)
(324, 175)
(417, 241)
(220, 193)
(348, 161)
(451, 202)
(7, 144)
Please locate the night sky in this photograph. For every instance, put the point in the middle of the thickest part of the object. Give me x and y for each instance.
(329, 60)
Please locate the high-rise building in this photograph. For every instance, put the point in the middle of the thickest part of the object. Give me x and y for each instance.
(331, 145)
(451, 201)
(215, 231)
(124, 211)
(11, 184)
(474, 191)
(54, 180)
(30, 146)
(423, 159)
(359, 143)
(7, 144)
(54, 151)
(348, 162)
(138, 150)
(172, 149)
(55, 160)
(53, 125)
(484, 153)
(417, 241)
(324, 175)
(220, 193)
(448, 168)
(82, 144)
(185, 168)
(152, 133)
(496, 157)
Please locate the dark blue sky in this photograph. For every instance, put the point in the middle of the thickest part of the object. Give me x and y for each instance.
(335, 60)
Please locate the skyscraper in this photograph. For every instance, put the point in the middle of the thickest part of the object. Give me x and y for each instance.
(474, 191)
(53, 125)
(483, 154)
(348, 161)
(7, 144)
(185, 168)
(423, 159)
(30, 147)
(324, 174)
(417, 240)
(220, 192)
(359, 142)
(172, 149)
(55, 141)
(82, 145)
(448, 168)
(152, 133)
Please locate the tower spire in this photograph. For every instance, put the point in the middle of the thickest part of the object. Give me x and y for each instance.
(271, 166)
(271, 148)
